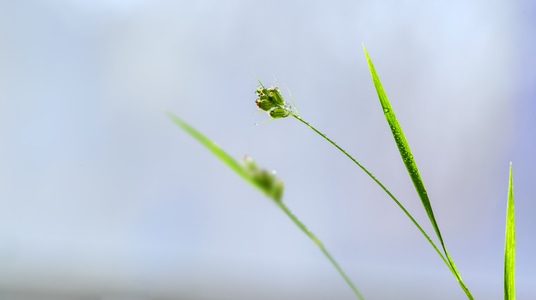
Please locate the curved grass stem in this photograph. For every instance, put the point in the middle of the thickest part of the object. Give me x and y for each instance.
(381, 186)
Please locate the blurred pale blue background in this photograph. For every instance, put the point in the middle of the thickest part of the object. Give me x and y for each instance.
(102, 197)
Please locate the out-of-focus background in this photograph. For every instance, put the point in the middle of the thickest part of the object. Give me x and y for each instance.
(102, 197)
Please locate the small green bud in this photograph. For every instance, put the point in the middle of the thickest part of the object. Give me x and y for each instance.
(265, 179)
(276, 97)
(261, 91)
(279, 112)
(264, 104)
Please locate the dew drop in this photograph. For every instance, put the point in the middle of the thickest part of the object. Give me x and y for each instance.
(385, 110)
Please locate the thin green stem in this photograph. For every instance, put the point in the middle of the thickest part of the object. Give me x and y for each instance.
(382, 187)
(317, 241)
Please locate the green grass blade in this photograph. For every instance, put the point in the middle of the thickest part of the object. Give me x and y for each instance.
(268, 184)
(411, 166)
(510, 243)
(213, 147)
(262, 179)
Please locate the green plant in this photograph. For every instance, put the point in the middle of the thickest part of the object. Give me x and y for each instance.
(270, 100)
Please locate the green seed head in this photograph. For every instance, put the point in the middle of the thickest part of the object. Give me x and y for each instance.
(271, 101)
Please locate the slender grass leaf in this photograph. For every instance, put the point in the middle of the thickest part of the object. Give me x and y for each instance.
(262, 179)
(411, 166)
(213, 147)
(510, 243)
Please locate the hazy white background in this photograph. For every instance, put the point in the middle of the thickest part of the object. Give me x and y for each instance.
(102, 197)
